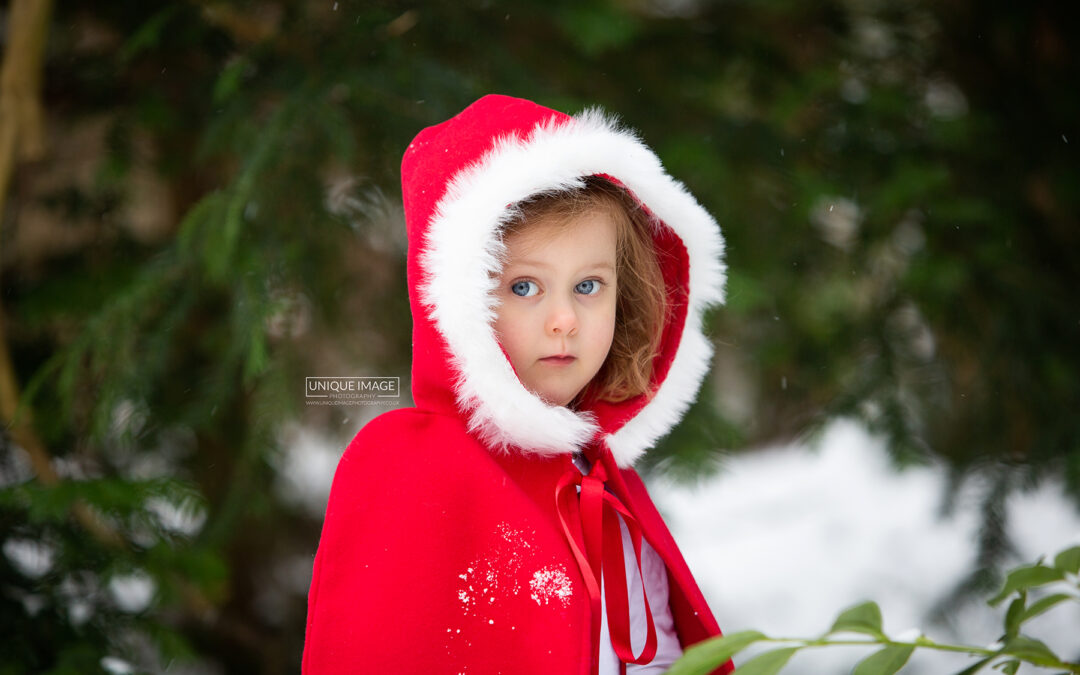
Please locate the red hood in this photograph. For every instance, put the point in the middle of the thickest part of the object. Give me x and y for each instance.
(458, 180)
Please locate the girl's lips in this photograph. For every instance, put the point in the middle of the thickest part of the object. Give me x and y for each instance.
(559, 360)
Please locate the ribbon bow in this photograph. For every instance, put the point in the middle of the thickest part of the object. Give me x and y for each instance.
(598, 512)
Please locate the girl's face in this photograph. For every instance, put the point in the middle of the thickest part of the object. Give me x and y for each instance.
(556, 313)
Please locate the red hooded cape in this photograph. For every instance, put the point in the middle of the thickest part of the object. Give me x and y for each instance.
(455, 540)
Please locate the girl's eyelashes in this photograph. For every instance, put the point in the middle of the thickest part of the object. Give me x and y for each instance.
(589, 287)
(526, 288)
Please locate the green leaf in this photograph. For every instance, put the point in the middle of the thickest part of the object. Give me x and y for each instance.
(704, 657)
(1014, 616)
(1023, 578)
(1009, 667)
(768, 663)
(1068, 560)
(976, 667)
(1044, 604)
(885, 661)
(864, 618)
(1031, 650)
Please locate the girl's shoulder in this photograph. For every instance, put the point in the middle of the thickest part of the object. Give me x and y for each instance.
(408, 430)
(414, 442)
(406, 424)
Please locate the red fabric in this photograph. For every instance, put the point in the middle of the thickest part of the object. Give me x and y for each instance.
(600, 512)
(440, 555)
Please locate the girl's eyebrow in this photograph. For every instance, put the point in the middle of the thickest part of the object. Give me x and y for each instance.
(536, 263)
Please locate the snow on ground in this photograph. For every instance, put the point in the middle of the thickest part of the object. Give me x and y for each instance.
(783, 539)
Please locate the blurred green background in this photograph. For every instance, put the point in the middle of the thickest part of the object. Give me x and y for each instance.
(201, 208)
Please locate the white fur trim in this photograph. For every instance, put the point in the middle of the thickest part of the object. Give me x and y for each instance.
(463, 252)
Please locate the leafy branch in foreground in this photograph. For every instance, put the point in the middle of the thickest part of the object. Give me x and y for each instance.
(864, 619)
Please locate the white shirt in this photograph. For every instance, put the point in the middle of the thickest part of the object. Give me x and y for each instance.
(668, 649)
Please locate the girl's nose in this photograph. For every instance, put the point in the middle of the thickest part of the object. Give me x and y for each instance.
(561, 319)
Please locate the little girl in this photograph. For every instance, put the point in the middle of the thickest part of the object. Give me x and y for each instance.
(557, 278)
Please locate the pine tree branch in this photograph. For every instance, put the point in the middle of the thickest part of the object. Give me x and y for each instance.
(22, 139)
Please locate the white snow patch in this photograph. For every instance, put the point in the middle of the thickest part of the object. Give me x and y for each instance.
(551, 583)
(785, 538)
(32, 558)
(132, 592)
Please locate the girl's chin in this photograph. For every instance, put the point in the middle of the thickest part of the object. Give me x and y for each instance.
(552, 398)
(556, 401)
(555, 394)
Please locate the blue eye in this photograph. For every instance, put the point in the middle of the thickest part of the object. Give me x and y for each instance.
(588, 287)
(524, 289)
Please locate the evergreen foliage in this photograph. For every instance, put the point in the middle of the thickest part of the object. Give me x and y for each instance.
(216, 217)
